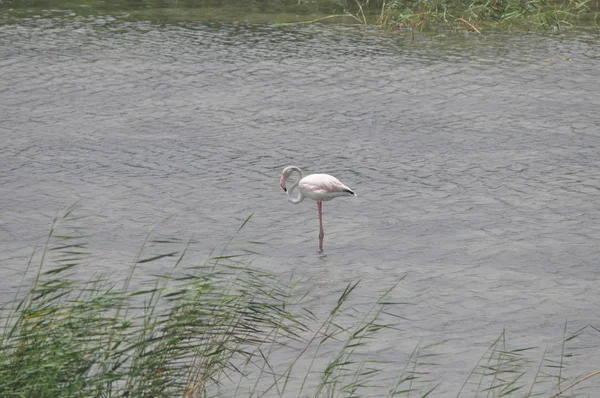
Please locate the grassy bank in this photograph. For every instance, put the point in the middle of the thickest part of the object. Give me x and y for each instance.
(473, 15)
(477, 15)
(221, 326)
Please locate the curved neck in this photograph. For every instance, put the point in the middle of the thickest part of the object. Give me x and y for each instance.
(299, 198)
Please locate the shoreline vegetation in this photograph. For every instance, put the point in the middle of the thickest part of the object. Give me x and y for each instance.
(421, 15)
(225, 327)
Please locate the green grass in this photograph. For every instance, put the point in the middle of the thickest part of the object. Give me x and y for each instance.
(471, 15)
(221, 326)
(477, 15)
(192, 331)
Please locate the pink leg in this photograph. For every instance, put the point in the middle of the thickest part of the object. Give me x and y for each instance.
(321, 233)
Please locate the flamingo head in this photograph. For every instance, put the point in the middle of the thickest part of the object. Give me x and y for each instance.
(286, 173)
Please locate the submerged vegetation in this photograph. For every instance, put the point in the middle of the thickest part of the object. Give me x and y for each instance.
(473, 15)
(221, 327)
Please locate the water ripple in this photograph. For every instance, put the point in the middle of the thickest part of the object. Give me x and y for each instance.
(476, 161)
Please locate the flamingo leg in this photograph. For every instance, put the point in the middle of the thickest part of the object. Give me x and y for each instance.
(321, 233)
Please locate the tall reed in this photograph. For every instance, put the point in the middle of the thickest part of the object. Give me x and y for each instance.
(222, 327)
(188, 334)
(425, 14)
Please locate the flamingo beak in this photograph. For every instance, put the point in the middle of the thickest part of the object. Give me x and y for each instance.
(282, 183)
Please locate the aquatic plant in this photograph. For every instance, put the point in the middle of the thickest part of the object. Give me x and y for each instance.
(222, 326)
(188, 333)
(473, 15)
(423, 14)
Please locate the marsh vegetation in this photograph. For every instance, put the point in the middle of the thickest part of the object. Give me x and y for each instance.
(389, 14)
(215, 327)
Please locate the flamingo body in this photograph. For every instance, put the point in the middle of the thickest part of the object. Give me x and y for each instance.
(318, 187)
(323, 187)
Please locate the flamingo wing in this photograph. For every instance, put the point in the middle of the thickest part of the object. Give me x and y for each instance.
(323, 187)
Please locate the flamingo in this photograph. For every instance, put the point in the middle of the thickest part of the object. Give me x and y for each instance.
(318, 187)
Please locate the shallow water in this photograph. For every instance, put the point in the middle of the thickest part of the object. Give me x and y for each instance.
(475, 162)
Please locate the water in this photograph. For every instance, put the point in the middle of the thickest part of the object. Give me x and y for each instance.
(475, 161)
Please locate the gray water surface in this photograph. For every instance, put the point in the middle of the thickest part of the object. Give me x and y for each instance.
(476, 163)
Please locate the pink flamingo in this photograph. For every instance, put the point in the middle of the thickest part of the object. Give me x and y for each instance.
(319, 187)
